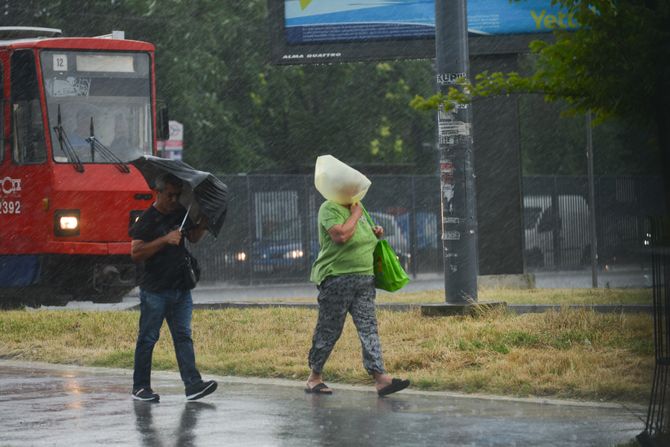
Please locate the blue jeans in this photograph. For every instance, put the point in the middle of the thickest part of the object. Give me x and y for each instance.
(175, 306)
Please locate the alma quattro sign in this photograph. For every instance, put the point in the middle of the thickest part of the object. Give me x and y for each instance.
(326, 31)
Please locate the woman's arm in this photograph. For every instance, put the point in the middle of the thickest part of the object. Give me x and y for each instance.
(341, 233)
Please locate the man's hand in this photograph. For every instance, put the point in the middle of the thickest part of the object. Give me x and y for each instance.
(196, 233)
(202, 222)
(378, 231)
(141, 251)
(173, 237)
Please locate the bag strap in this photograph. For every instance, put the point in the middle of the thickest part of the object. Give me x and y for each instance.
(367, 216)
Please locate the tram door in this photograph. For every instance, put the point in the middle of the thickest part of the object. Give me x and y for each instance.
(25, 175)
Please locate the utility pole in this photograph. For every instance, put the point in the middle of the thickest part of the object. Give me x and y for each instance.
(457, 173)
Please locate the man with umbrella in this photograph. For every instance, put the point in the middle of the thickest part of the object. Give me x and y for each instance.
(165, 285)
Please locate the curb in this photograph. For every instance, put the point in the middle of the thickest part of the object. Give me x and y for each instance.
(601, 308)
(400, 307)
(174, 375)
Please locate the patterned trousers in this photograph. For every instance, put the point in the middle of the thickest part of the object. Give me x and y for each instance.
(338, 295)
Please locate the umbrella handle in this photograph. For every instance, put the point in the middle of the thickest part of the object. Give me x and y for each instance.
(186, 216)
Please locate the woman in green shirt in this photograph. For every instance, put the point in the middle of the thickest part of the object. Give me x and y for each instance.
(344, 276)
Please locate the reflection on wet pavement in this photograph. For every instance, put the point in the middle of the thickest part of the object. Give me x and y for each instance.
(184, 433)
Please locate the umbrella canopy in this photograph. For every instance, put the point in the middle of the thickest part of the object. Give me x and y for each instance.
(202, 193)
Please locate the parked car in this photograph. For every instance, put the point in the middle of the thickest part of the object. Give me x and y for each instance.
(286, 256)
(395, 236)
(427, 229)
(541, 226)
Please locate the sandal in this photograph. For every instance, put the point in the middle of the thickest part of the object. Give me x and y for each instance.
(395, 386)
(320, 388)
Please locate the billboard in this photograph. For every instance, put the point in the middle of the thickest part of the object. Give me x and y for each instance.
(324, 31)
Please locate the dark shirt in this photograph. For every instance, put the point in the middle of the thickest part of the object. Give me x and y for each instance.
(165, 269)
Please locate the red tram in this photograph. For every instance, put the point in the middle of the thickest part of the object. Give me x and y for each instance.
(74, 112)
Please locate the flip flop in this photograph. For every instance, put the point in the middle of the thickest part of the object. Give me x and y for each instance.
(320, 388)
(395, 386)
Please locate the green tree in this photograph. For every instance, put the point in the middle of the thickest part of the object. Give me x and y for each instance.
(357, 112)
(616, 66)
(239, 112)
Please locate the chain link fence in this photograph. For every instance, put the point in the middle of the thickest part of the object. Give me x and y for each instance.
(271, 229)
(657, 426)
(556, 220)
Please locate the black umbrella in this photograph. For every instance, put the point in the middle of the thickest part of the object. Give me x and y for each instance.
(203, 193)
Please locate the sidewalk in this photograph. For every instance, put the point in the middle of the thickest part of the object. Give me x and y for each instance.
(44, 404)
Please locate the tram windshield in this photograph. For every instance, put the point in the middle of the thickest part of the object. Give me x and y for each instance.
(102, 94)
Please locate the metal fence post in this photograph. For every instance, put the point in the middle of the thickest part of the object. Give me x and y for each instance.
(412, 232)
(556, 225)
(592, 203)
(250, 233)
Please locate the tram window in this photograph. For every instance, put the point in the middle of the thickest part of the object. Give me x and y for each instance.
(28, 133)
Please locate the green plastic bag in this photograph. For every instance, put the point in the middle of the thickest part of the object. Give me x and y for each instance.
(389, 274)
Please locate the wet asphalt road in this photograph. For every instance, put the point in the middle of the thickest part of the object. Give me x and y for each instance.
(615, 277)
(213, 293)
(62, 405)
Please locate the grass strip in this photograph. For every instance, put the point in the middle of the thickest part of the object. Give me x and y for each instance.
(575, 354)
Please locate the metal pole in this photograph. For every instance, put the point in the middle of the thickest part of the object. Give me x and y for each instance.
(457, 176)
(250, 232)
(412, 232)
(592, 202)
(556, 227)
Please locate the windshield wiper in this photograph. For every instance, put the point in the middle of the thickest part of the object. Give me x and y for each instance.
(66, 146)
(106, 152)
(92, 141)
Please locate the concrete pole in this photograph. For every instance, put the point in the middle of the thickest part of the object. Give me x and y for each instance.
(457, 175)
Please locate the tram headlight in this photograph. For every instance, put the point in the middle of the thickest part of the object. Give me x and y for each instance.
(66, 222)
(69, 223)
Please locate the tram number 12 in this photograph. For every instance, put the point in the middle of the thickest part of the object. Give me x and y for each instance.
(10, 207)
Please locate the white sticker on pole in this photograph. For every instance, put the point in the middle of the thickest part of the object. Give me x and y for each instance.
(449, 78)
(451, 236)
(60, 62)
(453, 128)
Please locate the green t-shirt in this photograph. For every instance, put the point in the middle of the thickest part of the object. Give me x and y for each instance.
(354, 257)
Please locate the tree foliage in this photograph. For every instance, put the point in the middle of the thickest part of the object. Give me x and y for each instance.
(240, 113)
(617, 65)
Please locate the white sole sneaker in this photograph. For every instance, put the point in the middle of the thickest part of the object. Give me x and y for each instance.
(203, 392)
(150, 399)
(154, 398)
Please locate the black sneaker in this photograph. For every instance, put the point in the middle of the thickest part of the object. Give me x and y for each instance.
(201, 389)
(146, 395)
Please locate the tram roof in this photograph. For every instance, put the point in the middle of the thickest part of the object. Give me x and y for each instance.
(29, 37)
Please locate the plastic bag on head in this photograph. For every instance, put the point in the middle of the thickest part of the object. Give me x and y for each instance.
(338, 181)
